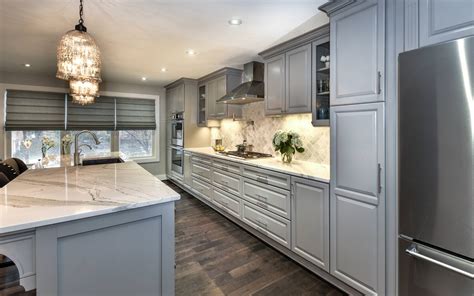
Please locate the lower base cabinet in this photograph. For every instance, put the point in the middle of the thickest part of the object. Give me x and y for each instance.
(310, 221)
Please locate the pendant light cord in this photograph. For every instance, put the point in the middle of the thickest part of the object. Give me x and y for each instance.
(81, 12)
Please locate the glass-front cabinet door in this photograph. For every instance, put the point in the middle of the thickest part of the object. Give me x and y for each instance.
(201, 118)
(321, 87)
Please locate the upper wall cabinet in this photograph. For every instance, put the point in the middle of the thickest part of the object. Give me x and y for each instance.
(357, 54)
(175, 98)
(298, 80)
(430, 22)
(214, 86)
(288, 74)
(275, 85)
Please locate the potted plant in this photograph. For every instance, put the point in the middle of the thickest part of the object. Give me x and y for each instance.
(287, 143)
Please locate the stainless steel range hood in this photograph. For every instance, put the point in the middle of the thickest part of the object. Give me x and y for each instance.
(252, 87)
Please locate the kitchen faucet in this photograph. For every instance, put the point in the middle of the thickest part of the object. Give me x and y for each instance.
(77, 151)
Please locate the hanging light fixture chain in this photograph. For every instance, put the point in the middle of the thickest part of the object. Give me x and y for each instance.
(81, 12)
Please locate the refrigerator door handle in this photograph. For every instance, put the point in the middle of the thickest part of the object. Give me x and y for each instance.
(413, 251)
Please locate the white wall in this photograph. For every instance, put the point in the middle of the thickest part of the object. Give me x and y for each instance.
(41, 83)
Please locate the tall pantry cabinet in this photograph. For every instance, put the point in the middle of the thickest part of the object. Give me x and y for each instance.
(357, 195)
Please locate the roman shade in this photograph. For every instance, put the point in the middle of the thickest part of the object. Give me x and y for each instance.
(34, 110)
(97, 116)
(135, 114)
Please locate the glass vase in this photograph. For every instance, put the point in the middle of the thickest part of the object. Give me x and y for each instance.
(287, 157)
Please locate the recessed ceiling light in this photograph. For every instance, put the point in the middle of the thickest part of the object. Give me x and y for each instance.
(27, 65)
(143, 78)
(190, 52)
(164, 69)
(235, 22)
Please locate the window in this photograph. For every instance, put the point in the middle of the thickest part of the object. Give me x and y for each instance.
(136, 143)
(105, 138)
(125, 124)
(26, 145)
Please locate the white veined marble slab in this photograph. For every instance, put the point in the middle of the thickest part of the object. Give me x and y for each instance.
(47, 196)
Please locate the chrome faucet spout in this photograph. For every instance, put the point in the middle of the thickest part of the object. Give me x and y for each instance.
(77, 153)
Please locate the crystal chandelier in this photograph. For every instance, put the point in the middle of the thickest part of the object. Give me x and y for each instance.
(79, 62)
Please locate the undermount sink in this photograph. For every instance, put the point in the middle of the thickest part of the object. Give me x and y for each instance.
(105, 160)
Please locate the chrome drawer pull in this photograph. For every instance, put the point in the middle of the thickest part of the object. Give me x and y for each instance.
(414, 252)
(263, 205)
(262, 197)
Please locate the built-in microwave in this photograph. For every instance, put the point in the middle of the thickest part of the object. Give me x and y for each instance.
(177, 129)
(177, 159)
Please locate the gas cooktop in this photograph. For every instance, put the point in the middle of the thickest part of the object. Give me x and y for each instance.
(245, 155)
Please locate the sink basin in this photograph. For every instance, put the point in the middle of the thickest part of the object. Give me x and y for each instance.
(105, 160)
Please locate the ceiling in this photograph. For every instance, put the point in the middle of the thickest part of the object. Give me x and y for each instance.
(139, 37)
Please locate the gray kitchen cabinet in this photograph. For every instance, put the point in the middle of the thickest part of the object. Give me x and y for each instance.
(211, 98)
(357, 54)
(175, 99)
(221, 90)
(288, 73)
(187, 169)
(216, 85)
(357, 199)
(275, 93)
(444, 20)
(310, 221)
(298, 80)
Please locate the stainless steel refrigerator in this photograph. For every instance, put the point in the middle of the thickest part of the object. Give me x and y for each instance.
(436, 170)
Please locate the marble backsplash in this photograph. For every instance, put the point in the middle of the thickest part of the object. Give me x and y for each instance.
(315, 139)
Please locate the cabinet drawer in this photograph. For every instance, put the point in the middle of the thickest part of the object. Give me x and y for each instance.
(227, 166)
(201, 159)
(267, 177)
(271, 225)
(227, 202)
(274, 199)
(201, 171)
(203, 189)
(227, 182)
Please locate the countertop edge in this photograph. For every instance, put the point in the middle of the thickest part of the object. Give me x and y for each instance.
(74, 217)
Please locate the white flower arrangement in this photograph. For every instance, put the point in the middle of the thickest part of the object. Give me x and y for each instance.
(46, 144)
(287, 143)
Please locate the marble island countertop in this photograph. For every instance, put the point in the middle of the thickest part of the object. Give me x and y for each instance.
(299, 168)
(68, 160)
(47, 196)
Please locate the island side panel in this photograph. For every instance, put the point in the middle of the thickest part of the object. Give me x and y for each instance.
(124, 253)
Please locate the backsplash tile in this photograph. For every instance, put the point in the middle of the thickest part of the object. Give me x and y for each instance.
(315, 139)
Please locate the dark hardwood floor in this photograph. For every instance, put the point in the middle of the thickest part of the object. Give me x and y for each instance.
(216, 257)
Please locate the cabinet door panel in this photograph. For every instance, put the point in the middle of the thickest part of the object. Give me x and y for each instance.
(357, 54)
(179, 98)
(444, 20)
(357, 140)
(310, 221)
(275, 85)
(211, 98)
(221, 85)
(298, 80)
(354, 253)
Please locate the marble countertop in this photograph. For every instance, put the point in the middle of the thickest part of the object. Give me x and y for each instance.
(47, 196)
(305, 169)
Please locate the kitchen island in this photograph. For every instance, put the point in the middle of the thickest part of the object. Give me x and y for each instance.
(90, 230)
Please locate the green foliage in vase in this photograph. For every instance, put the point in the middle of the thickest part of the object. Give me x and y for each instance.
(287, 143)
